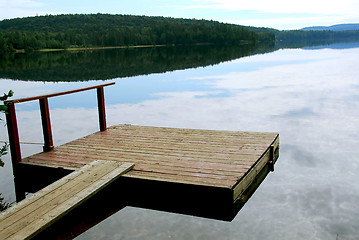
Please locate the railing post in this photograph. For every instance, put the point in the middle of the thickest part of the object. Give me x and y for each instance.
(46, 124)
(13, 132)
(101, 108)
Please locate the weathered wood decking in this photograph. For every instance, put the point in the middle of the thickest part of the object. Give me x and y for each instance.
(36, 213)
(222, 161)
(199, 172)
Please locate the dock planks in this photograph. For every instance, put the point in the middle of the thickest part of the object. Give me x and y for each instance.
(36, 213)
(210, 158)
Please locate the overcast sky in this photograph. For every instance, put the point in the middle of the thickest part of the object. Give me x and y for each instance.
(280, 14)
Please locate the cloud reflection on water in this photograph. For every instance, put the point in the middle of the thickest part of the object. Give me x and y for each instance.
(313, 191)
(311, 100)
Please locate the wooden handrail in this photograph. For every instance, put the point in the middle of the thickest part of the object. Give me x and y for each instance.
(21, 100)
(45, 119)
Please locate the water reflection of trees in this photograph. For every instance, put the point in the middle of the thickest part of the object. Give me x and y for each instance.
(114, 63)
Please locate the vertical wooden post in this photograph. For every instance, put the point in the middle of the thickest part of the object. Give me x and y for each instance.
(20, 193)
(46, 124)
(271, 158)
(13, 132)
(101, 108)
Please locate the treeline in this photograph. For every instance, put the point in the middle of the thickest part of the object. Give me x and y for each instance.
(105, 30)
(300, 36)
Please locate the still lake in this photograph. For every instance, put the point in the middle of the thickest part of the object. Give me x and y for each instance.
(310, 96)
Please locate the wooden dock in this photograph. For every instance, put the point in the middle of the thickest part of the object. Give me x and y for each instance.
(219, 159)
(221, 162)
(206, 173)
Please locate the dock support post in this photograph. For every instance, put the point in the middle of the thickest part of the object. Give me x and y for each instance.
(13, 132)
(101, 108)
(46, 124)
(20, 193)
(271, 158)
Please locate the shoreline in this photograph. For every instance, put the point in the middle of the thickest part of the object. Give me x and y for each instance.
(116, 47)
(93, 48)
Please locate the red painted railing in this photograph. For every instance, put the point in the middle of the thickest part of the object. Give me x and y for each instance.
(45, 118)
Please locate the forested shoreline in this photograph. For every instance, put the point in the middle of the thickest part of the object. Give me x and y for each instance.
(105, 30)
(300, 36)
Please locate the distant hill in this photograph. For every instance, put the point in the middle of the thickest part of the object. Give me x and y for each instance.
(338, 27)
(105, 30)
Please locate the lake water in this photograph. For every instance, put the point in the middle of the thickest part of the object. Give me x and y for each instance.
(309, 95)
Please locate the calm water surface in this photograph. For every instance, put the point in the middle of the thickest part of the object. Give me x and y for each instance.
(309, 96)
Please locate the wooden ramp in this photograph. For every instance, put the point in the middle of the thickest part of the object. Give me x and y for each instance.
(197, 172)
(36, 213)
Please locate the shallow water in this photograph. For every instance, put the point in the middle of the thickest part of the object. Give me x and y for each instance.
(310, 96)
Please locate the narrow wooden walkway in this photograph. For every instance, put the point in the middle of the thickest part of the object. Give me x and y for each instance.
(36, 213)
(216, 159)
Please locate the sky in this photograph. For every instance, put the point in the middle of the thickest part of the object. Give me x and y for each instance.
(279, 14)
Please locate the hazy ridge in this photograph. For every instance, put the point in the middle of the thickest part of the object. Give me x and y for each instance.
(337, 27)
